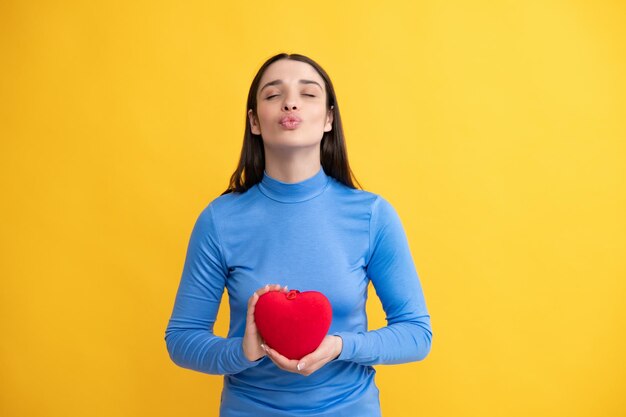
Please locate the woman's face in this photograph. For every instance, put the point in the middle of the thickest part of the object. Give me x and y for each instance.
(291, 106)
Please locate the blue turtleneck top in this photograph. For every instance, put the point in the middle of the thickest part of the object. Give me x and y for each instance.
(314, 235)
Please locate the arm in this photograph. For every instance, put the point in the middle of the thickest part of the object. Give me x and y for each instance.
(189, 336)
(407, 336)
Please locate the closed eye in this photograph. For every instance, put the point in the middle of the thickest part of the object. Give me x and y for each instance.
(274, 95)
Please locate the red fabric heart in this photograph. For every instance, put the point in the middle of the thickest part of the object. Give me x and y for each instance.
(293, 323)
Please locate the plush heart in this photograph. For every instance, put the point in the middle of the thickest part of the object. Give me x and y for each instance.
(293, 323)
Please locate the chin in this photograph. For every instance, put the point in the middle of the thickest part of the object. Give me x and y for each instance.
(293, 140)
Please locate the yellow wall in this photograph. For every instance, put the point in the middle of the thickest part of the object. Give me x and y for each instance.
(497, 130)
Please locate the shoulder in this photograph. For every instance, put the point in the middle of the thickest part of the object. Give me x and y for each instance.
(354, 196)
(227, 204)
(379, 207)
(215, 211)
(383, 207)
(378, 204)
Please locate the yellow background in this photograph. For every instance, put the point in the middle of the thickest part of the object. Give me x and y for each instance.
(496, 128)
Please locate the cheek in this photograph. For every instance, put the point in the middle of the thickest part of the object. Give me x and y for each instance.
(320, 114)
(265, 115)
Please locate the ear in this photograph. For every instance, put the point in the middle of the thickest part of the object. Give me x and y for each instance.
(329, 120)
(255, 128)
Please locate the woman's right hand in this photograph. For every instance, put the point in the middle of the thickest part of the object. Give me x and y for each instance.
(252, 339)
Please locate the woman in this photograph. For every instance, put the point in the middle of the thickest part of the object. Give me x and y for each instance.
(292, 215)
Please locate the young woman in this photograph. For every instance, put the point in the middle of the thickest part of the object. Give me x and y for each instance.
(292, 216)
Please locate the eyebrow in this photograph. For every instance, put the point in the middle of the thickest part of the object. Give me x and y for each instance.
(277, 82)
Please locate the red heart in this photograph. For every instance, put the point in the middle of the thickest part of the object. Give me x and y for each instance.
(293, 323)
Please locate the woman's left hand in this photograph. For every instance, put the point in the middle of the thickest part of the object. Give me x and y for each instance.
(329, 349)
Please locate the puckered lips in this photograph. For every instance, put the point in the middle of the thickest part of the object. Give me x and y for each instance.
(290, 121)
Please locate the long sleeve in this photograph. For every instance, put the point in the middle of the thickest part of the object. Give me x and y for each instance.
(189, 335)
(408, 334)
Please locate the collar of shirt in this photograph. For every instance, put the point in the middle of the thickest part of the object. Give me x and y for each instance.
(294, 192)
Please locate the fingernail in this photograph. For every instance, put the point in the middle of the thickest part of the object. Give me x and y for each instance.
(301, 366)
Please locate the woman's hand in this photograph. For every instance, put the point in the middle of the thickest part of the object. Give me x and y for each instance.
(329, 349)
(252, 341)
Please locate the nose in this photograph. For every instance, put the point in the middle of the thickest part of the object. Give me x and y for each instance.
(290, 102)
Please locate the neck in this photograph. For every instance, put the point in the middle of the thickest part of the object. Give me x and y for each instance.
(295, 192)
(294, 167)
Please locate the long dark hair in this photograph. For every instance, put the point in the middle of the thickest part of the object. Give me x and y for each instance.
(333, 155)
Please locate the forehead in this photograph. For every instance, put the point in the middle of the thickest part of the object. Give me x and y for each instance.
(290, 71)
